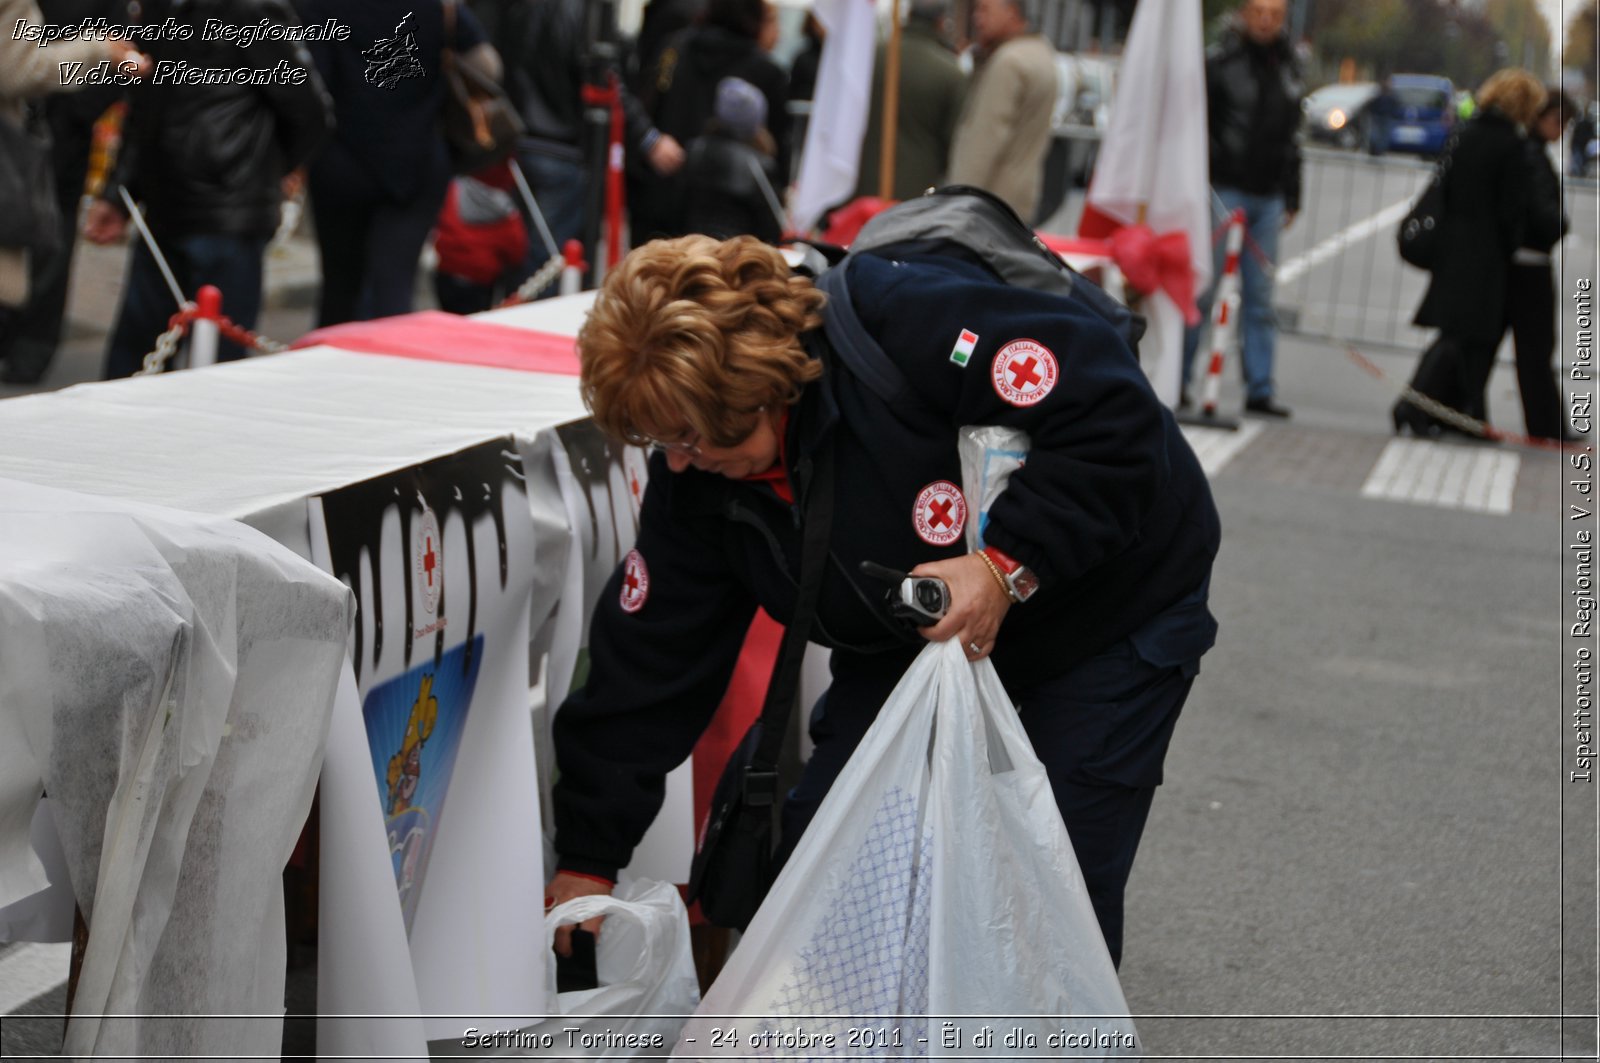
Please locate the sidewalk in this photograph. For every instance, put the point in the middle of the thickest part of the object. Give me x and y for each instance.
(289, 299)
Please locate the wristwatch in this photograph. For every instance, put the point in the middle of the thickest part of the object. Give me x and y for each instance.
(1019, 578)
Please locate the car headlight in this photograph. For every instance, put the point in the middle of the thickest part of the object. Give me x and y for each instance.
(1336, 119)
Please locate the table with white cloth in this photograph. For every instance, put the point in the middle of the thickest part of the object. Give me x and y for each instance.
(283, 444)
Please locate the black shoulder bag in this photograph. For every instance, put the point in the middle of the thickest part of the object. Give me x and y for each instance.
(733, 863)
(1418, 235)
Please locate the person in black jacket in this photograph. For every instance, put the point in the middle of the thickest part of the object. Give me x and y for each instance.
(377, 188)
(680, 94)
(1090, 595)
(1485, 178)
(730, 176)
(544, 47)
(212, 132)
(1253, 90)
(1531, 286)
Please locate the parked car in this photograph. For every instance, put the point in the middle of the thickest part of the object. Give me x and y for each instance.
(1335, 113)
(1424, 113)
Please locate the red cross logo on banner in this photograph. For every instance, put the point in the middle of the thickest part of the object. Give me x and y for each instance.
(940, 513)
(428, 554)
(1024, 372)
(635, 582)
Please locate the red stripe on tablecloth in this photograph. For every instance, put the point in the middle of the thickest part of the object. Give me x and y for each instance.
(434, 336)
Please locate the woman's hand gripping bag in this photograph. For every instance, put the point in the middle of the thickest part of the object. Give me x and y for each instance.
(936, 880)
(647, 984)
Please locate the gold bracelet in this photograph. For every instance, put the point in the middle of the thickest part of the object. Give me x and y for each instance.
(999, 577)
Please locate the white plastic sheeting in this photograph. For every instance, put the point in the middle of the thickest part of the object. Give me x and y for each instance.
(168, 678)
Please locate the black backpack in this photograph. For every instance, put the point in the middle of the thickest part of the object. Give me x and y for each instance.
(970, 224)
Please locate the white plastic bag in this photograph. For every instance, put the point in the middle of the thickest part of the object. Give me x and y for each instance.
(989, 455)
(934, 896)
(648, 985)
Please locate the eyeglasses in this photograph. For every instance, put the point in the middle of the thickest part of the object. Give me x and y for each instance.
(690, 447)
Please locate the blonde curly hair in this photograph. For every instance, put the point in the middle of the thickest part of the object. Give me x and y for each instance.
(1515, 93)
(695, 335)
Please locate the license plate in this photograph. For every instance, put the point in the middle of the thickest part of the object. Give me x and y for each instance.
(1409, 134)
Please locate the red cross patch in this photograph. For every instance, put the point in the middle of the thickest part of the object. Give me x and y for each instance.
(940, 513)
(1024, 372)
(635, 582)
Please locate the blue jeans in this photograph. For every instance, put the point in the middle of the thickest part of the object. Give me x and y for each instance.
(1263, 220)
(232, 263)
(560, 186)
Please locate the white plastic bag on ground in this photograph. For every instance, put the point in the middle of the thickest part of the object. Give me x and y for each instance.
(934, 896)
(648, 985)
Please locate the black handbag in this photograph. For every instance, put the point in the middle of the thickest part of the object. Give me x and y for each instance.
(29, 217)
(733, 864)
(1418, 235)
(480, 124)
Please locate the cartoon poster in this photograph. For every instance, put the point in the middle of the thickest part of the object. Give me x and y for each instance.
(443, 558)
(414, 724)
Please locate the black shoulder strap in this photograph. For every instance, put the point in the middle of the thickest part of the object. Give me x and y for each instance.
(783, 690)
(852, 342)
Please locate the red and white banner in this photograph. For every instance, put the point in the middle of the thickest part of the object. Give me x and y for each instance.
(1154, 162)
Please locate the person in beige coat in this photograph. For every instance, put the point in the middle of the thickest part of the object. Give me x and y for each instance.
(1005, 126)
(28, 71)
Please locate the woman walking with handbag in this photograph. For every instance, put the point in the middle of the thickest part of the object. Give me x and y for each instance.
(1485, 197)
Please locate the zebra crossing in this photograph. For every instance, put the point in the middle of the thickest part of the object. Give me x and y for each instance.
(1466, 476)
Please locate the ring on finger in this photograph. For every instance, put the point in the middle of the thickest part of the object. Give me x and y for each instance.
(977, 650)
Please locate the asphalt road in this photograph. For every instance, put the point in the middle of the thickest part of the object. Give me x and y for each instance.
(1368, 844)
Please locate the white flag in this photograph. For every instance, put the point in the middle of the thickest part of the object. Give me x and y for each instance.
(1155, 156)
(839, 112)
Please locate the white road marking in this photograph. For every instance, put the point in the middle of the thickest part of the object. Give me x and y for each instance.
(30, 970)
(1385, 220)
(1440, 474)
(1215, 447)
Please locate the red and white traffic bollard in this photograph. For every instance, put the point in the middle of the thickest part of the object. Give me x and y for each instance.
(572, 274)
(1224, 315)
(204, 334)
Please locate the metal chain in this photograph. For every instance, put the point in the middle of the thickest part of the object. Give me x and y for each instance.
(167, 342)
(547, 275)
(245, 338)
(1449, 414)
(166, 347)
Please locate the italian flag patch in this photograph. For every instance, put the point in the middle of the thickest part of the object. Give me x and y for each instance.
(963, 348)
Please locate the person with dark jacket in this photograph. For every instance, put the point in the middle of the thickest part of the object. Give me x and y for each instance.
(1090, 595)
(1485, 178)
(207, 160)
(731, 178)
(1531, 286)
(544, 47)
(932, 90)
(681, 94)
(377, 188)
(1253, 90)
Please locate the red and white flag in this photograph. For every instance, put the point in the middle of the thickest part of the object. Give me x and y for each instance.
(1155, 157)
(839, 112)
